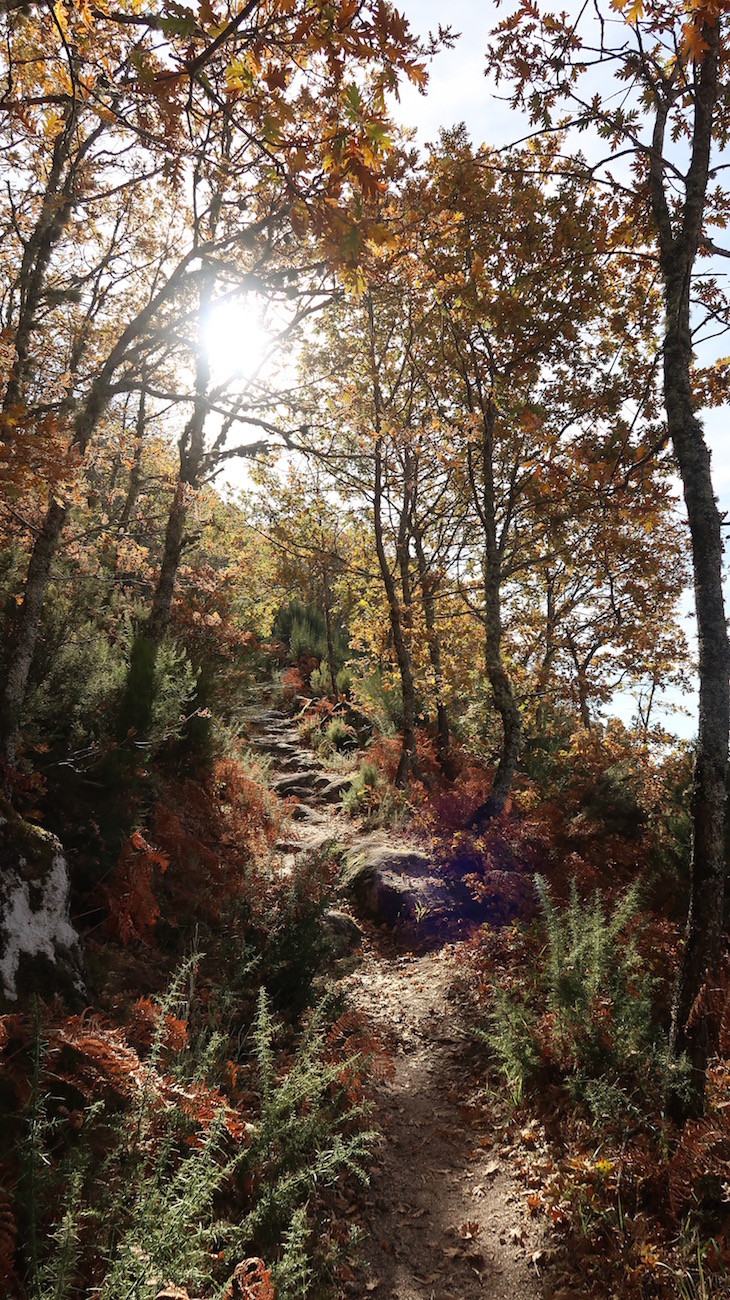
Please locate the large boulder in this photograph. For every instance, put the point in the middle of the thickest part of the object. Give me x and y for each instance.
(39, 947)
(395, 884)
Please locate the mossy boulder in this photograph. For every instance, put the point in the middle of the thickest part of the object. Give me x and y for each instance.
(39, 947)
(394, 884)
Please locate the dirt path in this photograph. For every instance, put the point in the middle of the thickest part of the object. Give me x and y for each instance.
(443, 1219)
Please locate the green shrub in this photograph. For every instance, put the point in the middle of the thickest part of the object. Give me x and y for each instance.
(380, 703)
(362, 798)
(344, 681)
(289, 933)
(72, 705)
(158, 1177)
(339, 736)
(302, 628)
(512, 1037)
(158, 688)
(308, 1131)
(320, 680)
(597, 1026)
(371, 797)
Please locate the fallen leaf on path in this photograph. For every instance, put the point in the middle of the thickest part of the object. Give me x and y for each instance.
(469, 1230)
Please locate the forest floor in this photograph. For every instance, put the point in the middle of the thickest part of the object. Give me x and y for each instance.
(443, 1219)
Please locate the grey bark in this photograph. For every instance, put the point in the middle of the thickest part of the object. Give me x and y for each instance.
(503, 694)
(28, 623)
(327, 601)
(443, 737)
(679, 238)
(408, 761)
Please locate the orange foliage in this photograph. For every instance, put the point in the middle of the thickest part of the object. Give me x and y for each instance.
(352, 1036)
(250, 1281)
(212, 832)
(148, 1022)
(133, 908)
(292, 684)
(94, 1059)
(713, 1005)
(205, 837)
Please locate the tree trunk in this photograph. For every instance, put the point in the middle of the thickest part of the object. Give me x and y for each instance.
(581, 683)
(408, 761)
(504, 701)
(28, 626)
(135, 473)
(192, 453)
(55, 211)
(679, 237)
(502, 692)
(331, 664)
(159, 619)
(443, 738)
(704, 924)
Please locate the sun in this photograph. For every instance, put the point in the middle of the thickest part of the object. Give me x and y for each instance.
(235, 339)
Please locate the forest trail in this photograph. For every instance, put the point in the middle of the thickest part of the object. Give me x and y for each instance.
(443, 1219)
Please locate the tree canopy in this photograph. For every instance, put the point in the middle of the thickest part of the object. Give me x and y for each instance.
(411, 443)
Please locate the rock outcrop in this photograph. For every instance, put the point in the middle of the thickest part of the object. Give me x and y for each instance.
(394, 884)
(39, 947)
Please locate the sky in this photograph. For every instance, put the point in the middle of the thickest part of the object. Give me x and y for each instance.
(458, 91)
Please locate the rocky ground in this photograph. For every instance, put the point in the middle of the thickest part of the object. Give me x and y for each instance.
(443, 1219)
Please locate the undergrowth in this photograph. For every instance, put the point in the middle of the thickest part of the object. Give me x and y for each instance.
(131, 1167)
(593, 1022)
(574, 1010)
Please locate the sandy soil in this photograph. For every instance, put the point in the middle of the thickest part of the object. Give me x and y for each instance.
(444, 1220)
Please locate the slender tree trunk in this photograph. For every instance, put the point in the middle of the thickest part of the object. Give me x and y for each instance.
(503, 694)
(192, 455)
(548, 657)
(159, 619)
(704, 924)
(55, 211)
(331, 664)
(679, 235)
(28, 625)
(581, 684)
(408, 761)
(504, 702)
(135, 473)
(443, 737)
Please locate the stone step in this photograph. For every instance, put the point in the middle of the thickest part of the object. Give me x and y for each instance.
(299, 761)
(310, 839)
(304, 785)
(270, 745)
(332, 791)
